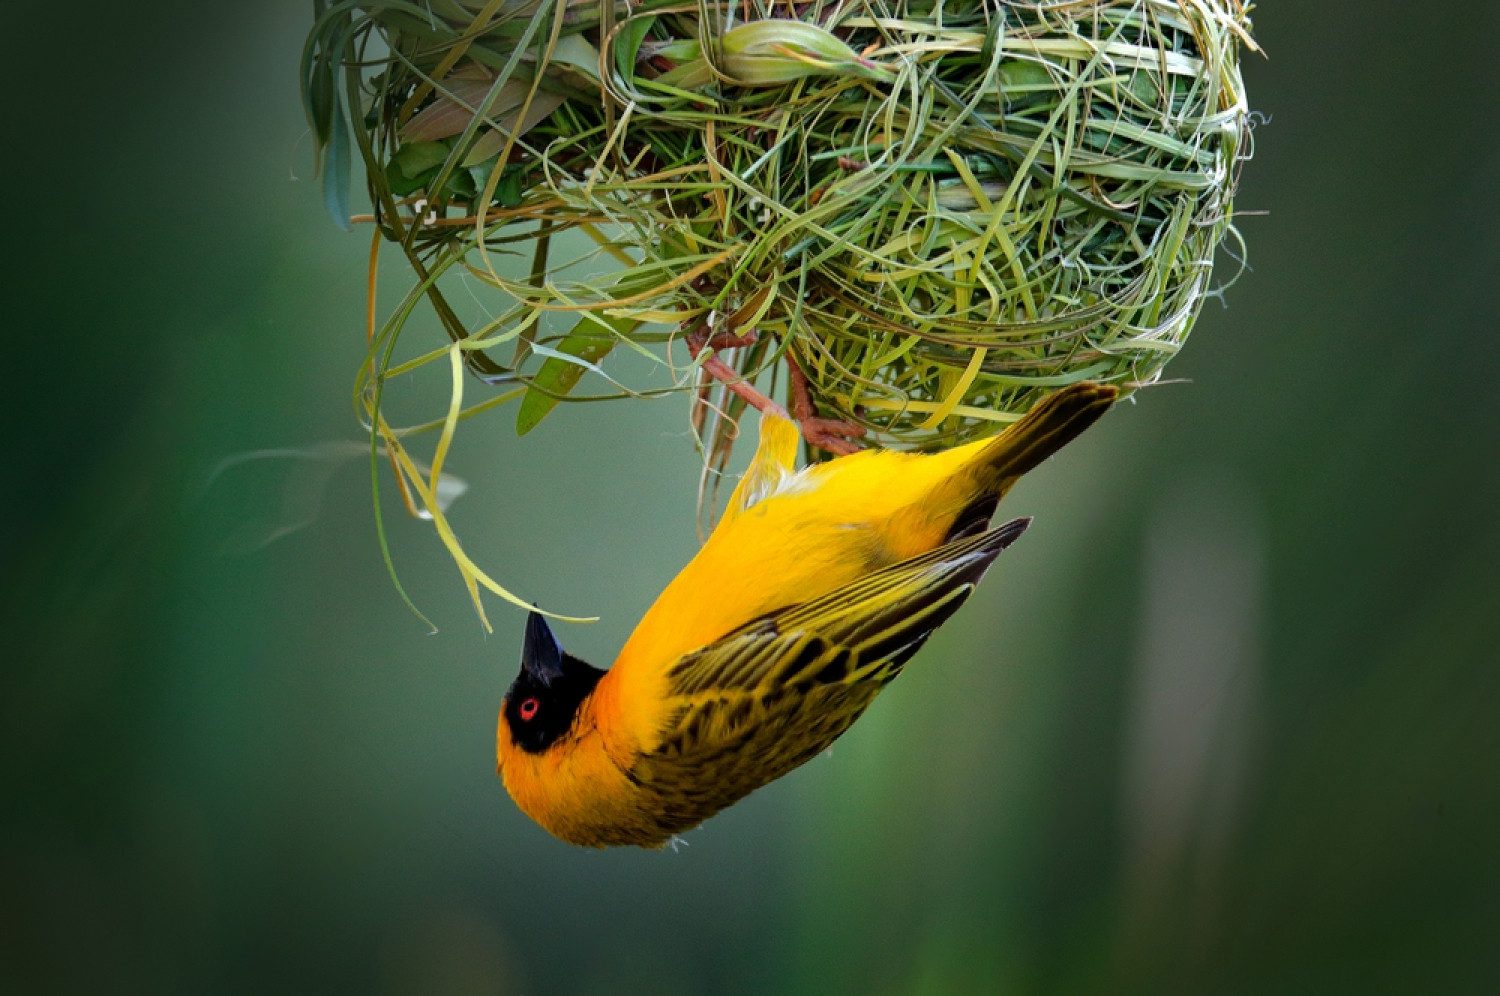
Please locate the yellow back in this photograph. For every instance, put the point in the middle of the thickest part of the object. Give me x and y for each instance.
(787, 536)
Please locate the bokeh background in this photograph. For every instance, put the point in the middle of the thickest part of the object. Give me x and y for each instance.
(1228, 720)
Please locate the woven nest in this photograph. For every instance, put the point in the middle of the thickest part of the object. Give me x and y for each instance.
(939, 210)
(936, 212)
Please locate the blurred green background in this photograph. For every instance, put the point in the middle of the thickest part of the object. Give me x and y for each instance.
(1228, 720)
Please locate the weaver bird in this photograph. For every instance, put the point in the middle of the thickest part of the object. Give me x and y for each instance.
(810, 595)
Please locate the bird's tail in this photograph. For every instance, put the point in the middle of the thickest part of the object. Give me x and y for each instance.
(995, 465)
(1051, 424)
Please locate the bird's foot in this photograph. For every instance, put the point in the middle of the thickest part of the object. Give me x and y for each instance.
(831, 434)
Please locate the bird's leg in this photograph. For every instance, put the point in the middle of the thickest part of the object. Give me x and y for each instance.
(698, 338)
(832, 434)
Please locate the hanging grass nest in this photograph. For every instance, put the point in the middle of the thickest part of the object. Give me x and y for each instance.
(926, 213)
(939, 210)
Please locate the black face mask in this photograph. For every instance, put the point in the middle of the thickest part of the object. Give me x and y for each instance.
(546, 694)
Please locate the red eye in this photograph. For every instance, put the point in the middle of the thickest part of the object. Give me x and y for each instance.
(529, 708)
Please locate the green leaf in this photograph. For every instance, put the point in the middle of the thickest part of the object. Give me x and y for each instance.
(402, 185)
(1146, 87)
(589, 342)
(573, 54)
(415, 158)
(509, 190)
(1025, 83)
(628, 44)
(461, 185)
(480, 174)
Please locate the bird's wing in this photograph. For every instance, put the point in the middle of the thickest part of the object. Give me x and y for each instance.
(774, 693)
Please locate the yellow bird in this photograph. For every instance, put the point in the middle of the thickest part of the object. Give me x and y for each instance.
(810, 595)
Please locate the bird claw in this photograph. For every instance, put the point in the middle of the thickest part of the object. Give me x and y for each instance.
(831, 434)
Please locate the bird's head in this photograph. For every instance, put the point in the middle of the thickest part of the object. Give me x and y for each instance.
(545, 697)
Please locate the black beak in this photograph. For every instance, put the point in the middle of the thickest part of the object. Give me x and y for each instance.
(541, 654)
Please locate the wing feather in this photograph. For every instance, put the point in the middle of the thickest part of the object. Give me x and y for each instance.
(867, 621)
(777, 691)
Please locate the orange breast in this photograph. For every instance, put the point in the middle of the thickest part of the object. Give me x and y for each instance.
(577, 789)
